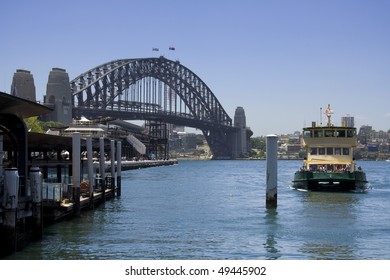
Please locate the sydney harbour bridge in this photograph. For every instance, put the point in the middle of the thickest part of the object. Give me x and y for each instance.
(158, 90)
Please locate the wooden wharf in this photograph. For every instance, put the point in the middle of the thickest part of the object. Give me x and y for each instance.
(43, 178)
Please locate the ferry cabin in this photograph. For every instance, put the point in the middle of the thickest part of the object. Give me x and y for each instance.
(329, 149)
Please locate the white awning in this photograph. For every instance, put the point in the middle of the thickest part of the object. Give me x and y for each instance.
(138, 145)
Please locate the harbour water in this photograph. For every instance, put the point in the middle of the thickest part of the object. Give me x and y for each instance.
(216, 210)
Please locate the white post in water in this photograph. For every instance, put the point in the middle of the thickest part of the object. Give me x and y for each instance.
(272, 171)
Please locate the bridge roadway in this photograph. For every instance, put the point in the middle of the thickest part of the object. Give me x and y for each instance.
(180, 119)
(155, 89)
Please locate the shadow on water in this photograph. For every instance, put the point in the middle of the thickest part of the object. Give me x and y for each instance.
(271, 244)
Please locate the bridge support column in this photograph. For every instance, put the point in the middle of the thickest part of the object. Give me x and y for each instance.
(221, 143)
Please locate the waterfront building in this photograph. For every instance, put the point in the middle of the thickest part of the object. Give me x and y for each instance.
(23, 85)
(86, 128)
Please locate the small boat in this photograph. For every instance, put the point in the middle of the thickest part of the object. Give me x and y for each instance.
(329, 164)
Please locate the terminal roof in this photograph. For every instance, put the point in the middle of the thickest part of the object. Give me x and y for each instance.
(20, 107)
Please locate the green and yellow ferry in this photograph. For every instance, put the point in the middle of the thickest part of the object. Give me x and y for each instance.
(329, 164)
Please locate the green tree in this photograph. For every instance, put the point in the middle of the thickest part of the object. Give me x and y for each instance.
(34, 125)
(50, 125)
(258, 147)
(258, 143)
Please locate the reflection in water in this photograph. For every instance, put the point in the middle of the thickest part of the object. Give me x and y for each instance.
(331, 219)
(328, 251)
(271, 244)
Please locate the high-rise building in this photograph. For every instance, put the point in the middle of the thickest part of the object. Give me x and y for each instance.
(23, 85)
(59, 97)
(348, 121)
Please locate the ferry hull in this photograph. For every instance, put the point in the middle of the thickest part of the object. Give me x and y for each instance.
(332, 181)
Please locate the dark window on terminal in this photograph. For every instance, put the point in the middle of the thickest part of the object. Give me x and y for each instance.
(337, 151)
(345, 151)
(351, 133)
(313, 151)
(329, 151)
(321, 151)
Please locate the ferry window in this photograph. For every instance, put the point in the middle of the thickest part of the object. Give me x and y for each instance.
(345, 151)
(321, 151)
(328, 133)
(337, 151)
(306, 134)
(350, 133)
(318, 133)
(313, 151)
(329, 151)
(340, 133)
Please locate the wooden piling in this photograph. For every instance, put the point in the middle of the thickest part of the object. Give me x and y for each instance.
(102, 169)
(272, 171)
(37, 207)
(112, 145)
(76, 160)
(90, 171)
(119, 168)
(10, 204)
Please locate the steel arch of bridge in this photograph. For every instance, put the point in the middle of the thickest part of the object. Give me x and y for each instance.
(153, 89)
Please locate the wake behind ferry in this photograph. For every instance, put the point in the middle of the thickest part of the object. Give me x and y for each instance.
(329, 164)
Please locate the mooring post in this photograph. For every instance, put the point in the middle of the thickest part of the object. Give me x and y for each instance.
(119, 168)
(76, 159)
(90, 171)
(102, 168)
(272, 171)
(37, 207)
(112, 146)
(10, 205)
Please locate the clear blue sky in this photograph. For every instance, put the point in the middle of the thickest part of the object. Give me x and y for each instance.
(280, 60)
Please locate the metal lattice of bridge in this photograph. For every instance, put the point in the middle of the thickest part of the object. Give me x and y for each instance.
(156, 89)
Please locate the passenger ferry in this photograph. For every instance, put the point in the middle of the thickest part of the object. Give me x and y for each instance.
(329, 164)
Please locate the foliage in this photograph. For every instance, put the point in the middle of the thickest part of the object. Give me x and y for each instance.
(34, 125)
(258, 143)
(52, 125)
